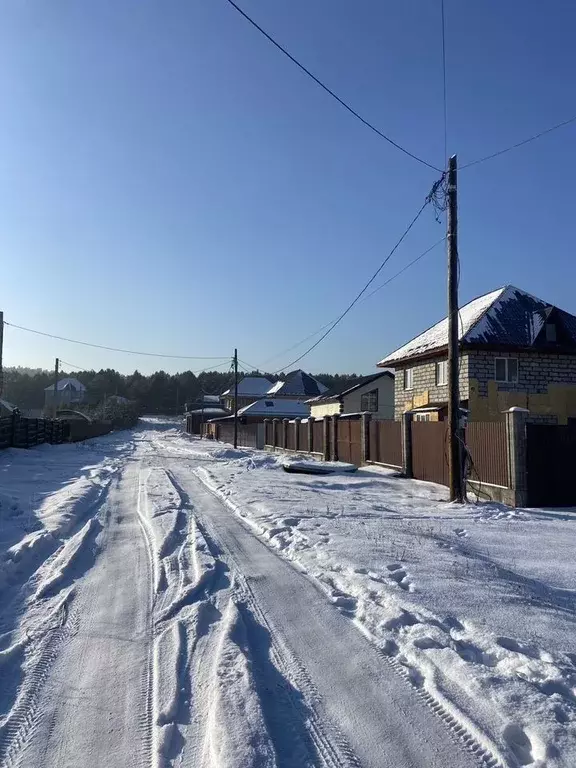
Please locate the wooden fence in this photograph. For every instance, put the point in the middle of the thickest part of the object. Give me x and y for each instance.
(19, 432)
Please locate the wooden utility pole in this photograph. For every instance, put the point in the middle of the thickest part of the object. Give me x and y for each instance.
(235, 398)
(55, 398)
(454, 430)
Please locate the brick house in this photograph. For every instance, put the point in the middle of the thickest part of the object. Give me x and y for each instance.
(373, 394)
(516, 350)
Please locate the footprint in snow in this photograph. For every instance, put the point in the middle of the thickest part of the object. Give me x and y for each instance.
(461, 532)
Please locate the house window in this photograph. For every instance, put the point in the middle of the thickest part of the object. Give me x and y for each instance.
(422, 417)
(442, 373)
(408, 378)
(550, 332)
(369, 401)
(506, 369)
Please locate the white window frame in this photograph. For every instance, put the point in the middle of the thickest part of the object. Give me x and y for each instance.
(442, 365)
(408, 378)
(506, 379)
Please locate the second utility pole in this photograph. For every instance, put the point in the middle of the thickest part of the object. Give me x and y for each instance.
(235, 398)
(454, 431)
(55, 400)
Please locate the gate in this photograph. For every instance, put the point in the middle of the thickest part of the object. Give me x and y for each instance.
(550, 460)
(349, 441)
(430, 451)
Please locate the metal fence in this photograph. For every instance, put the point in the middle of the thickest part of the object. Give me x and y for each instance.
(486, 444)
(349, 440)
(430, 451)
(385, 439)
(19, 432)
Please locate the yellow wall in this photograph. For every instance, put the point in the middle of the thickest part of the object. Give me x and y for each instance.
(324, 409)
(559, 401)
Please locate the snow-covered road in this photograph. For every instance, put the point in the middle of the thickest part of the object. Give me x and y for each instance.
(147, 620)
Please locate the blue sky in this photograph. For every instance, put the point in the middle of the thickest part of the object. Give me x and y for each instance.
(170, 182)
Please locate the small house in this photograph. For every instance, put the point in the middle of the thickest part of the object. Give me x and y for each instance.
(250, 389)
(69, 391)
(373, 394)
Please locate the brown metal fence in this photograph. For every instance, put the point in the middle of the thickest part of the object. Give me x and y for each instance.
(385, 439)
(318, 436)
(486, 443)
(349, 440)
(303, 436)
(550, 461)
(247, 434)
(291, 435)
(430, 451)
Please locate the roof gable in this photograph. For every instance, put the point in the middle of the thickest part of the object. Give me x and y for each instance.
(505, 317)
(67, 383)
(336, 396)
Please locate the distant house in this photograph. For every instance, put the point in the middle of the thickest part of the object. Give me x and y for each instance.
(69, 391)
(515, 350)
(268, 408)
(199, 416)
(6, 408)
(374, 393)
(297, 385)
(250, 389)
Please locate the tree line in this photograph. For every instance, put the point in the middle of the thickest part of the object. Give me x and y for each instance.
(160, 392)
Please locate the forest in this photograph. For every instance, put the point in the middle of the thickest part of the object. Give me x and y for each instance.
(160, 392)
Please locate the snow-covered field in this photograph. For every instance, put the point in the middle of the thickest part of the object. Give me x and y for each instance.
(172, 602)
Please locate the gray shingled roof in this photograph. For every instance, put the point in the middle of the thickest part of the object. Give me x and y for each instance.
(508, 317)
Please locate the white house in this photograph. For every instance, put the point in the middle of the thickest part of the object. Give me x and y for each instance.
(69, 391)
(373, 394)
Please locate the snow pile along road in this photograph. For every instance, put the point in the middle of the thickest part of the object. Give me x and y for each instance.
(475, 604)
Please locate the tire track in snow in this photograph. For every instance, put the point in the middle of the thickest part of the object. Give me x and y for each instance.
(147, 718)
(21, 720)
(328, 747)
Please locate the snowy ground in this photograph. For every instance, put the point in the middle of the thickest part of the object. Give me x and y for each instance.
(172, 602)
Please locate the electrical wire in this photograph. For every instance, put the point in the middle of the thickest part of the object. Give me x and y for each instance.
(328, 90)
(520, 143)
(365, 298)
(200, 370)
(114, 349)
(428, 199)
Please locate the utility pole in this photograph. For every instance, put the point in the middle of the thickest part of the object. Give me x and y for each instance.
(454, 430)
(55, 398)
(235, 398)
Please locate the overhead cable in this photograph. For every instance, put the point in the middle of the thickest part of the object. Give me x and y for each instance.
(330, 91)
(115, 349)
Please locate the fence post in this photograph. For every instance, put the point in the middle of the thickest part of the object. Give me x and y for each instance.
(310, 434)
(407, 444)
(15, 417)
(516, 442)
(334, 435)
(365, 437)
(275, 433)
(260, 436)
(297, 433)
(285, 427)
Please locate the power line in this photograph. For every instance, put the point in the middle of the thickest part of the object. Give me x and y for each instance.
(365, 298)
(520, 143)
(113, 349)
(200, 370)
(429, 198)
(444, 82)
(328, 90)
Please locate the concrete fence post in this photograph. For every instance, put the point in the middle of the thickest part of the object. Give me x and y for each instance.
(275, 433)
(310, 434)
(334, 445)
(326, 433)
(297, 433)
(407, 444)
(365, 437)
(260, 436)
(285, 427)
(516, 442)
(266, 422)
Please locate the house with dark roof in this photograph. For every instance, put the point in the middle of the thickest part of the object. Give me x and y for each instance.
(515, 350)
(69, 390)
(250, 389)
(297, 385)
(374, 394)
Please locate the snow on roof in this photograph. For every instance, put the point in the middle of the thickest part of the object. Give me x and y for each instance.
(67, 383)
(8, 406)
(209, 412)
(276, 409)
(506, 317)
(298, 383)
(251, 385)
(334, 396)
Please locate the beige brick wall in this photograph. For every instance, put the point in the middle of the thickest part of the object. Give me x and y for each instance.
(424, 388)
(324, 409)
